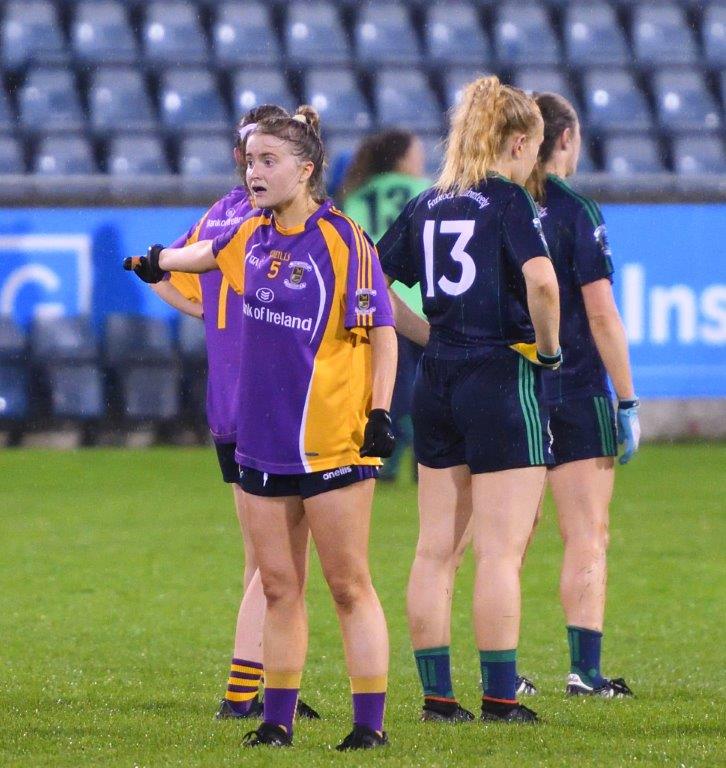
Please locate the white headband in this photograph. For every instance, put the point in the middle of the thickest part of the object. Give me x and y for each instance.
(246, 130)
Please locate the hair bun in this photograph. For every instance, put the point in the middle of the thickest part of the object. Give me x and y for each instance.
(307, 114)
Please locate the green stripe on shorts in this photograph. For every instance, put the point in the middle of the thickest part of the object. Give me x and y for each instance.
(530, 411)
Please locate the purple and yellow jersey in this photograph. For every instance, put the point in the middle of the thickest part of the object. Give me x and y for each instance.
(310, 294)
(222, 309)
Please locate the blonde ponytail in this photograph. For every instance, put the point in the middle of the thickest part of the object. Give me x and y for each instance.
(488, 113)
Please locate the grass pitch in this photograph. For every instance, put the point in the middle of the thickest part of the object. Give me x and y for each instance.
(120, 579)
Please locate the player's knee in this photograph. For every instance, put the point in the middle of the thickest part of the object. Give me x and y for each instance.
(281, 589)
(348, 590)
(437, 556)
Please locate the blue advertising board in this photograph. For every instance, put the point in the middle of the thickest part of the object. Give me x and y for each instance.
(670, 280)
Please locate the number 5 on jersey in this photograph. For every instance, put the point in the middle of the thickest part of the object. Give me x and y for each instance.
(465, 230)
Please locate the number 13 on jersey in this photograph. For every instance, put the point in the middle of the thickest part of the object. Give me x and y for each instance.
(465, 231)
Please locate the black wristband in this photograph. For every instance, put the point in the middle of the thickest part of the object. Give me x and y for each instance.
(380, 414)
(625, 404)
(550, 359)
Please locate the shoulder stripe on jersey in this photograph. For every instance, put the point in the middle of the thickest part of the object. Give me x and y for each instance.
(589, 205)
(531, 202)
(364, 278)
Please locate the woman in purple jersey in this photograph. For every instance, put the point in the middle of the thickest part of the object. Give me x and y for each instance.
(209, 298)
(582, 421)
(319, 352)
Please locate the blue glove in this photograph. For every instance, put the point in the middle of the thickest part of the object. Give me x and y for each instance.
(628, 428)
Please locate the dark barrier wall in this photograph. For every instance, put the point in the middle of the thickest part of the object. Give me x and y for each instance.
(670, 278)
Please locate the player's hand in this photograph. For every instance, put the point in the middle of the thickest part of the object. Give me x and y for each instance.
(628, 428)
(378, 438)
(553, 362)
(146, 267)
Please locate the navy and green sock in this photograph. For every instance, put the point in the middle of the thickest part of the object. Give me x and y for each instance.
(498, 675)
(585, 650)
(434, 670)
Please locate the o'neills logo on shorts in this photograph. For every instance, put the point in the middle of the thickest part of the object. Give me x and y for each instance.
(337, 473)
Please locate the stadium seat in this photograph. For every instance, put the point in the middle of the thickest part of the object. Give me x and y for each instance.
(119, 101)
(11, 156)
(338, 100)
(403, 97)
(243, 34)
(384, 35)
(13, 344)
(205, 155)
(714, 34)
(593, 35)
(585, 164)
(433, 152)
(64, 155)
(614, 102)
(101, 33)
(63, 339)
(339, 150)
(14, 391)
(252, 87)
(453, 35)
(455, 79)
(630, 155)
(76, 391)
(7, 118)
(48, 102)
(661, 35)
(314, 34)
(192, 339)
(541, 80)
(683, 102)
(136, 155)
(172, 34)
(131, 339)
(30, 34)
(698, 154)
(151, 393)
(190, 100)
(523, 35)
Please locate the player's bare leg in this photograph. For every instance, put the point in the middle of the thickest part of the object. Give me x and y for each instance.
(444, 501)
(250, 559)
(340, 525)
(504, 509)
(582, 491)
(278, 532)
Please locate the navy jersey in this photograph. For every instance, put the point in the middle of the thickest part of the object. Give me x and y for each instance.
(467, 251)
(576, 235)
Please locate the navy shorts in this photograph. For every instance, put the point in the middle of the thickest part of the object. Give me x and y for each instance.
(484, 413)
(260, 483)
(583, 428)
(227, 462)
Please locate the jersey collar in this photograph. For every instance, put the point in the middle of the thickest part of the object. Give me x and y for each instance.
(310, 222)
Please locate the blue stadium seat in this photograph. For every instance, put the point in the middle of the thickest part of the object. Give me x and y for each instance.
(632, 155)
(714, 34)
(101, 33)
(339, 150)
(454, 35)
(384, 35)
(455, 79)
(136, 155)
(7, 118)
(683, 102)
(593, 35)
(63, 156)
(336, 96)
(132, 339)
(151, 393)
(48, 101)
(192, 339)
(76, 391)
(13, 344)
(697, 154)
(403, 97)
(205, 155)
(252, 87)
(119, 101)
(661, 35)
(172, 34)
(434, 153)
(314, 34)
(11, 156)
(523, 35)
(190, 100)
(541, 80)
(243, 34)
(14, 391)
(30, 34)
(63, 339)
(614, 102)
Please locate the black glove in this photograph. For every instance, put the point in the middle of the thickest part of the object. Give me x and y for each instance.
(146, 267)
(378, 438)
